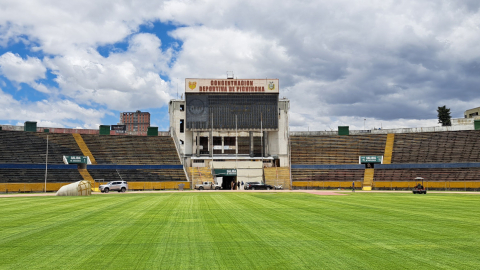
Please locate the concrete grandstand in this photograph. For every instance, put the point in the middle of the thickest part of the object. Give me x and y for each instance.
(238, 131)
(146, 162)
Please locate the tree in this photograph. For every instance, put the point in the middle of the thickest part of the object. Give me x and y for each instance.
(444, 116)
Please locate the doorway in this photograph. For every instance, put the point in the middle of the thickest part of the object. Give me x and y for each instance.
(227, 182)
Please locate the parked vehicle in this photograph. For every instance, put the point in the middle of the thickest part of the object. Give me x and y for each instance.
(120, 186)
(207, 185)
(419, 188)
(257, 186)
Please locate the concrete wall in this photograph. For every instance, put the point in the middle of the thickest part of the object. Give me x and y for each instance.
(80, 131)
(384, 131)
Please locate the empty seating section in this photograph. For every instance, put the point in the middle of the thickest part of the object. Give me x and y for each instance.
(308, 150)
(132, 150)
(306, 178)
(437, 147)
(138, 175)
(30, 147)
(327, 175)
(440, 178)
(38, 176)
(153, 175)
(443, 174)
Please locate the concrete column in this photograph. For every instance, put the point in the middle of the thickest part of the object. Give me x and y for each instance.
(251, 143)
(210, 143)
(197, 141)
(265, 144)
(223, 143)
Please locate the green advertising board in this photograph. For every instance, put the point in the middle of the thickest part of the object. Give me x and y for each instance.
(343, 130)
(225, 172)
(30, 126)
(152, 131)
(76, 159)
(371, 159)
(104, 130)
(476, 124)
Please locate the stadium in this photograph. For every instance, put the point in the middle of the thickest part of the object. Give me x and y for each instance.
(231, 132)
(236, 131)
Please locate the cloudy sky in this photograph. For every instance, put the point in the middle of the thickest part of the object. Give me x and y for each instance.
(81, 63)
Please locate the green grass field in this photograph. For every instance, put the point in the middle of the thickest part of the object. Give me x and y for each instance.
(241, 231)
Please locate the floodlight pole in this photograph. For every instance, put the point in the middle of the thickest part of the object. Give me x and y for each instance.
(46, 167)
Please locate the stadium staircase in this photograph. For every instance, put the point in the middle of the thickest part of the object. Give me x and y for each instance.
(200, 174)
(87, 177)
(387, 156)
(85, 150)
(277, 176)
(368, 179)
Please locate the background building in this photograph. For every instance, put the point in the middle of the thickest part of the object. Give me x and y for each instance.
(232, 129)
(472, 113)
(135, 121)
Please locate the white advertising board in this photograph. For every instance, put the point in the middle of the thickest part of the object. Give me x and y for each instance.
(225, 86)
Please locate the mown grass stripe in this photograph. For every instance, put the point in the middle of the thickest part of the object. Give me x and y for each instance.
(241, 231)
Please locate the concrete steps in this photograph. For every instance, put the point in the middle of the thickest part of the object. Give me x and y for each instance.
(277, 176)
(87, 177)
(368, 179)
(83, 146)
(200, 174)
(387, 156)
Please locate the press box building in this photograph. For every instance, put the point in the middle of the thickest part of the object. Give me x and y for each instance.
(232, 128)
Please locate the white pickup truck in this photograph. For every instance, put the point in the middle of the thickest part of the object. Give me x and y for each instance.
(207, 185)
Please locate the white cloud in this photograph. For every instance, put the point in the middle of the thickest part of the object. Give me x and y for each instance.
(393, 61)
(17, 69)
(61, 27)
(210, 53)
(122, 81)
(59, 113)
(386, 60)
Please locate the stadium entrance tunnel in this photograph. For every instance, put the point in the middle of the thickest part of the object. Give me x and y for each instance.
(227, 182)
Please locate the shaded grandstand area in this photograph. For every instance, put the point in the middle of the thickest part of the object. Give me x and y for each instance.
(135, 159)
(335, 149)
(132, 150)
(446, 160)
(437, 147)
(31, 147)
